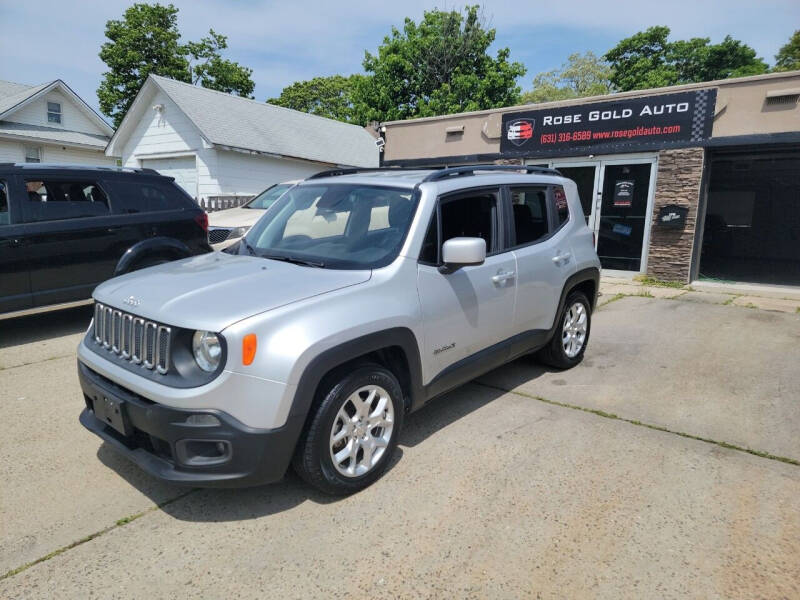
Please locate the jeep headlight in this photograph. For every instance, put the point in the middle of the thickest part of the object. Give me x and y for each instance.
(207, 350)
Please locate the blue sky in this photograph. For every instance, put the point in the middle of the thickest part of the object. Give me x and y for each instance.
(284, 41)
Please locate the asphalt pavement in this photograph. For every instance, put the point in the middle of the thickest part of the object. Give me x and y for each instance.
(666, 465)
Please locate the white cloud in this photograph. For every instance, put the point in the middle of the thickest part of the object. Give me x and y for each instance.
(286, 41)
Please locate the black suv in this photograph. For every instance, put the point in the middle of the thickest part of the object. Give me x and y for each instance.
(64, 229)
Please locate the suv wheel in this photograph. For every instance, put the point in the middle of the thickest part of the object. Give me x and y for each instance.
(566, 348)
(353, 433)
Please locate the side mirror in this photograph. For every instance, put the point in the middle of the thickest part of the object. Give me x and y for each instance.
(462, 251)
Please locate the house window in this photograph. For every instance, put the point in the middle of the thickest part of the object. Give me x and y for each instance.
(33, 154)
(53, 112)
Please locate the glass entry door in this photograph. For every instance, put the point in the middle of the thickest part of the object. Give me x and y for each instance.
(622, 226)
(616, 196)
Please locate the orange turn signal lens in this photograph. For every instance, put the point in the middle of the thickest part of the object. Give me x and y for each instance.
(249, 349)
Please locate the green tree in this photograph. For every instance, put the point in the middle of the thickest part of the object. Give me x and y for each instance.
(648, 59)
(330, 97)
(436, 67)
(582, 75)
(212, 71)
(147, 40)
(788, 57)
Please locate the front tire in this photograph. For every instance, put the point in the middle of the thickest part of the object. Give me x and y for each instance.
(569, 341)
(353, 434)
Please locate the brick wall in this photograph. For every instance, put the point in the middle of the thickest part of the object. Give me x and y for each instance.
(678, 182)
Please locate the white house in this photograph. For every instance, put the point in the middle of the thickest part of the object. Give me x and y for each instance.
(50, 123)
(220, 146)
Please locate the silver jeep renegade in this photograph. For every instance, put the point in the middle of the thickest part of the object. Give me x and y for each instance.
(356, 298)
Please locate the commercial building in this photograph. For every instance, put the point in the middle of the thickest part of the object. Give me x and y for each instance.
(698, 181)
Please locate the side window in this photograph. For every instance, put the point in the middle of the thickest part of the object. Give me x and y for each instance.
(430, 245)
(57, 200)
(473, 215)
(529, 205)
(133, 196)
(562, 207)
(4, 216)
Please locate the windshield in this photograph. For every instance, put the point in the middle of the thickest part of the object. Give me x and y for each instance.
(340, 226)
(265, 199)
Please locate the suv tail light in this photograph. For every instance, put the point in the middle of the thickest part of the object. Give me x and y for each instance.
(202, 220)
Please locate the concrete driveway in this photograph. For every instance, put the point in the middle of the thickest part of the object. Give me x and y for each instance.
(527, 483)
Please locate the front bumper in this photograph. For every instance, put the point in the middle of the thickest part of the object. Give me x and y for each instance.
(159, 440)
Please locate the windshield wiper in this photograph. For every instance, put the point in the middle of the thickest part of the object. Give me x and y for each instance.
(295, 260)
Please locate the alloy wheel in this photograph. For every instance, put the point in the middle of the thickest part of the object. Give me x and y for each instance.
(573, 334)
(361, 431)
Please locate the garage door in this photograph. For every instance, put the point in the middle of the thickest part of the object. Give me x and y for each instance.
(752, 226)
(183, 169)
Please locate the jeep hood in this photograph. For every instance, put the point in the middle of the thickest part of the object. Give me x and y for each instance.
(215, 290)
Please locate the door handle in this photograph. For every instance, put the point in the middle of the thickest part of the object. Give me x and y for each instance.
(559, 257)
(502, 276)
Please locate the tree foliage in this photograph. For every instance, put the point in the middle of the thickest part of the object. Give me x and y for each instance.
(437, 66)
(582, 75)
(147, 40)
(212, 71)
(648, 59)
(788, 57)
(330, 97)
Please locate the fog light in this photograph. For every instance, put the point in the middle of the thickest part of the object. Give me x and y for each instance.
(202, 420)
(203, 452)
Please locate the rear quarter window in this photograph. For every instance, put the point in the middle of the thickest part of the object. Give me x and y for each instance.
(132, 196)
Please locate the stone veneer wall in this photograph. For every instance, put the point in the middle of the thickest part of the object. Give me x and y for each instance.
(678, 182)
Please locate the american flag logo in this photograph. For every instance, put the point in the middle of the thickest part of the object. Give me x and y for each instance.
(520, 131)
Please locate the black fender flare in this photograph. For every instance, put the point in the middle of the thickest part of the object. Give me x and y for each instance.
(166, 246)
(588, 274)
(328, 360)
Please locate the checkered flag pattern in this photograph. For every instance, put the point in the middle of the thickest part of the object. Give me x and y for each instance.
(701, 107)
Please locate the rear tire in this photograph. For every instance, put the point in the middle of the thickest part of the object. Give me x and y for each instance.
(571, 337)
(353, 432)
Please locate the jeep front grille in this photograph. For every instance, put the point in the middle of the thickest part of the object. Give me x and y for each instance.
(218, 234)
(133, 338)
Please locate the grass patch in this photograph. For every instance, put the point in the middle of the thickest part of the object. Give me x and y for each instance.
(120, 523)
(729, 301)
(606, 415)
(798, 310)
(645, 293)
(647, 280)
(613, 298)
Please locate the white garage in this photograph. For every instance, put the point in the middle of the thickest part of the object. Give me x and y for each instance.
(182, 168)
(224, 149)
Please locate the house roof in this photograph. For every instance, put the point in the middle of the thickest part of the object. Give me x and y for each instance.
(244, 124)
(51, 134)
(14, 96)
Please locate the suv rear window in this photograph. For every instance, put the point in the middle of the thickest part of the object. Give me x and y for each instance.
(133, 196)
(4, 217)
(57, 200)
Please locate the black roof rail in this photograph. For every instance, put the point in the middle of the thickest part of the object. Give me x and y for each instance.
(355, 170)
(470, 170)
